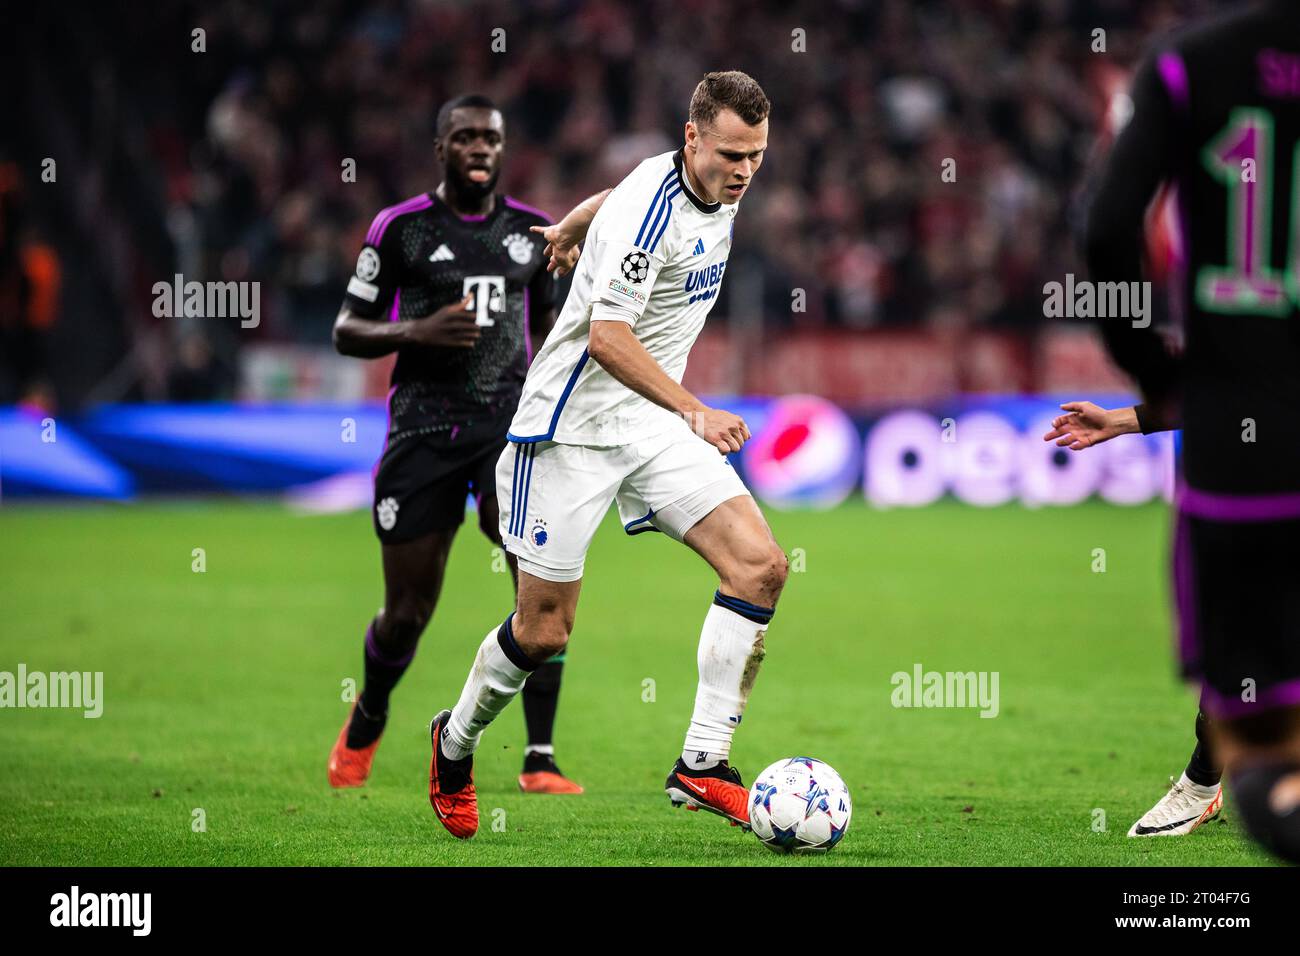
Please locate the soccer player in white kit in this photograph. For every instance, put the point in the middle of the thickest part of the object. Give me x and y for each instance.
(604, 418)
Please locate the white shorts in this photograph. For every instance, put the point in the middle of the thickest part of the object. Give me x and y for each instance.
(553, 497)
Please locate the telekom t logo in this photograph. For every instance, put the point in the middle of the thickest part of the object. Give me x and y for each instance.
(489, 297)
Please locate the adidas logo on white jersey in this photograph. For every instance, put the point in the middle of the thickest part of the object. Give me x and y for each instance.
(442, 254)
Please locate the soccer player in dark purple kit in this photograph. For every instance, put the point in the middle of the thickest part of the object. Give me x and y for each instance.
(1216, 111)
(456, 282)
(1196, 797)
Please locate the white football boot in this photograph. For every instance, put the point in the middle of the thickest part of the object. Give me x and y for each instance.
(1184, 808)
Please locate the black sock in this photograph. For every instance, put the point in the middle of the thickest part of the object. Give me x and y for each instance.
(1203, 769)
(541, 695)
(383, 671)
(535, 762)
(365, 727)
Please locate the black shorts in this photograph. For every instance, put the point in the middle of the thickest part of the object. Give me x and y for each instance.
(1235, 583)
(421, 484)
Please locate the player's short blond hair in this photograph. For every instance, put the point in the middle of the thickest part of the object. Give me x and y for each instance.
(730, 90)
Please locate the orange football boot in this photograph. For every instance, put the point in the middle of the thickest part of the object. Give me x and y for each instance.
(348, 767)
(717, 790)
(547, 781)
(451, 787)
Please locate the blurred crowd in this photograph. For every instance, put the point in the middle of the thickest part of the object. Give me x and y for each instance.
(29, 297)
(924, 156)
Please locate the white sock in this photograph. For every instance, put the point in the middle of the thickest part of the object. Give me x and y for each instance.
(731, 649)
(493, 682)
(1199, 789)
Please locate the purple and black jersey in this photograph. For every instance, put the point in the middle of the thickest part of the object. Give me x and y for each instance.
(1216, 113)
(420, 256)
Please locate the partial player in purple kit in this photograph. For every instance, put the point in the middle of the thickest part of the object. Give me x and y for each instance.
(1196, 796)
(457, 283)
(1216, 113)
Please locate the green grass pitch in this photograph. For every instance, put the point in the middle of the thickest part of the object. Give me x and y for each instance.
(223, 692)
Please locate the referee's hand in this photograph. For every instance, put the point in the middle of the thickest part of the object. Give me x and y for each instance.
(452, 326)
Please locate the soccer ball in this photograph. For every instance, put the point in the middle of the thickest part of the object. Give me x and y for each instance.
(799, 805)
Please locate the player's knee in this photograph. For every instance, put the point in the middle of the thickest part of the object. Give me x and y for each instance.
(547, 641)
(764, 572)
(778, 567)
(542, 634)
(1268, 799)
(405, 620)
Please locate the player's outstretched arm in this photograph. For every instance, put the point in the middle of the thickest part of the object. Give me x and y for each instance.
(615, 346)
(563, 238)
(1086, 424)
(452, 326)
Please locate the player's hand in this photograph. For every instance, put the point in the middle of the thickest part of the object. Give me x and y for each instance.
(562, 249)
(721, 429)
(1087, 424)
(451, 326)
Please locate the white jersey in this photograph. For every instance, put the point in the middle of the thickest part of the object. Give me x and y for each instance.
(654, 257)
